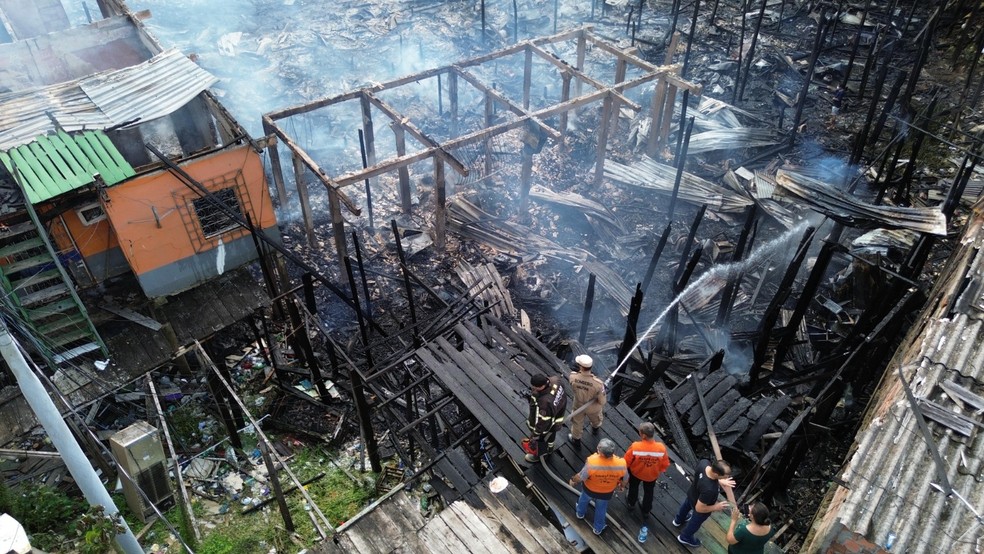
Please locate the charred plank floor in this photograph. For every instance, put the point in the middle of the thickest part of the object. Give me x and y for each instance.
(488, 368)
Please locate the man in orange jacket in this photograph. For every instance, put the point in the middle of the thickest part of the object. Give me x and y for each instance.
(646, 459)
(602, 475)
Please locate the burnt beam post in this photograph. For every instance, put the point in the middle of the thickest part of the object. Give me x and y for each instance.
(358, 385)
(338, 228)
(628, 344)
(805, 298)
(440, 204)
(586, 314)
(601, 149)
(302, 195)
(406, 283)
(772, 311)
(679, 170)
(822, 27)
(656, 255)
(400, 136)
(275, 166)
(735, 276)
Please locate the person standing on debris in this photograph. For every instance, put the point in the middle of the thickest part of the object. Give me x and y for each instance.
(838, 101)
(702, 499)
(646, 459)
(548, 402)
(603, 474)
(750, 537)
(588, 389)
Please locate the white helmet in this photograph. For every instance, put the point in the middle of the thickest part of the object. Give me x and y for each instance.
(584, 361)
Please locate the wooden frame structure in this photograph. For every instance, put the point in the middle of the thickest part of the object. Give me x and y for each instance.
(611, 97)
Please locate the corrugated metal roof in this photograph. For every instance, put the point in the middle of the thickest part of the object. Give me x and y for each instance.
(145, 91)
(56, 164)
(892, 485)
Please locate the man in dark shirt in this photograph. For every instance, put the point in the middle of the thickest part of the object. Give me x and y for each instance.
(548, 402)
(702, 499)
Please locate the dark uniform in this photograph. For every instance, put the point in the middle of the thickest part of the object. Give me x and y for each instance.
(547, 409)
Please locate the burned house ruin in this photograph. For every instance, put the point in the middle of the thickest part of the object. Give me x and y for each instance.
(748, 279)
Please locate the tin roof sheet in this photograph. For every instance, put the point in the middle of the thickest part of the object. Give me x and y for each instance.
(142, 92)
(56, 164)
(891, 485)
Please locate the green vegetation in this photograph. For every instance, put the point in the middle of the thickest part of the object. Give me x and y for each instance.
(336, 494)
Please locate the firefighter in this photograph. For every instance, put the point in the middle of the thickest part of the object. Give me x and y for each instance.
(548, 403)
(603, 474)
(587, 389)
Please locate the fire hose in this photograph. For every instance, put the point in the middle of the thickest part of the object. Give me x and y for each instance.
(611, 521)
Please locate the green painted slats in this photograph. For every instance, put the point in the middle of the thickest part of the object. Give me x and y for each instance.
(55, 164)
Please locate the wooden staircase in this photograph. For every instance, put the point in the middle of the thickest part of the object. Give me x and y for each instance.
(37, 287)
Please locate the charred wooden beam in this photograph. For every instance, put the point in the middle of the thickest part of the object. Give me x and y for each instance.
(302, 195)
(803, 302)
(628, 344)
(310, 163)
(655, 258)
(275, 168)
(586, 314)
(772, 311)
(735, 277)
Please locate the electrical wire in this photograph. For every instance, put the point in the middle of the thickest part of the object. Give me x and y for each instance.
(105, 451)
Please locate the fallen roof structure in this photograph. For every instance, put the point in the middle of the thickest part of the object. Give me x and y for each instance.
(910, 483)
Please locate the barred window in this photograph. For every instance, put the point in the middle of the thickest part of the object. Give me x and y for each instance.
(212, 218)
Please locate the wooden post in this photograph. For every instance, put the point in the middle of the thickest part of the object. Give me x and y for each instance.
(690, 38)
(302, 195)
(182, 490)
(265, 449)
(222, 404)
(855, 46)
(338, 227)
(586, 314)
(680, 168)
(804, 300)
(406, 283)
(751, 52)
(581, 48)
(406, 202)
(805, 90)
(734, 277)
(367, 129)
(655, 259)
(694, 225)
(565, 95)
(659, 104)
(525, 179)
(664, 126)
(275, 168)
(358, 387)
(527, 77)
(489, 112)
(620, 66)
(440, 204)
(453, 99)
(628, 343)
(684, 104)
(601, 150)
(772, 311)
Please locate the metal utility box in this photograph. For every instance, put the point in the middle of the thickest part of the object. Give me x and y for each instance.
(139, 452)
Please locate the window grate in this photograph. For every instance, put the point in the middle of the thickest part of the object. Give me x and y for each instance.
(213, 219)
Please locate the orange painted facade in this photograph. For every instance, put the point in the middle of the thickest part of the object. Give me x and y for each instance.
(154, 223)
(154, 217)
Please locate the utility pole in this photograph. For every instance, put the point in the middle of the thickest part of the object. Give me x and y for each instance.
(76, 462)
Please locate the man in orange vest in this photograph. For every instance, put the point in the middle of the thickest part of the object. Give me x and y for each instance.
(647, 460)
(602, 475)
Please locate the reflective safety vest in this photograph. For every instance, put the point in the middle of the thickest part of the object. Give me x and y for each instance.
(647, 459)
(604, 474)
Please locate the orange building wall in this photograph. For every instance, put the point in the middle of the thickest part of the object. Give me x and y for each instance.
(151, 242)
